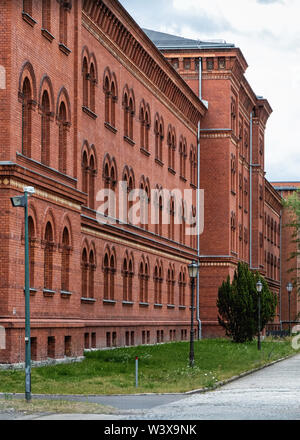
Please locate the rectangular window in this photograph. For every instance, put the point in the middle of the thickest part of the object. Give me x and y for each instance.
(68, 346)
(51, 347)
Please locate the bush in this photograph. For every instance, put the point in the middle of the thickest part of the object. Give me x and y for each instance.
(238, 304)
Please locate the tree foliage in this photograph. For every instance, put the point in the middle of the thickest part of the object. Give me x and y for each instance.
(293, 205)
(238, 304)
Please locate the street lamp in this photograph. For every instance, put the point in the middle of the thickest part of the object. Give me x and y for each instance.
(193, 271)
(259, 287)
(289, 288)
(22, 202)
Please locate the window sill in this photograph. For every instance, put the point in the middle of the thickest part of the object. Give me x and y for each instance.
(65, 294)
(64, 49)
(171, 171)
(159, 306)
(26, 17)
(182, 307)
(87, 300)
(47, 35)
(129, 141)
(109, 301)
(32, 291)
(48, 292)
(144, 304)
(145, 152)
(193, 186)
(89, 112)
(110, 127)
(159, 162)
(127, 303)
(233, 192)
(171, 306)
(183, 178)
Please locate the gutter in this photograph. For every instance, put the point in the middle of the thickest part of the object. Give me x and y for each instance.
(198, 210)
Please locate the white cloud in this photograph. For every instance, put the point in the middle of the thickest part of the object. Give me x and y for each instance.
(268, 33)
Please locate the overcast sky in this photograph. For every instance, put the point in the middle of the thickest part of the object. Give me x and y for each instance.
(268, 33)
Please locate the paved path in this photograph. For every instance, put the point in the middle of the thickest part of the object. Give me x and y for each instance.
(272, 393)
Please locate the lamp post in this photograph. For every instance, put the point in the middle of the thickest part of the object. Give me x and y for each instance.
(193, 271)
(289, 288)
(22, 202)
(259, 287)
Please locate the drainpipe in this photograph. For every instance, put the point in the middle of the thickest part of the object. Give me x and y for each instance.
(198, 209)
(250, 190)
(280, 269)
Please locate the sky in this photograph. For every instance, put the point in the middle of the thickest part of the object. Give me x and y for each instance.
(268, 34)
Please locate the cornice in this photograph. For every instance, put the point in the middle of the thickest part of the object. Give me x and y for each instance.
(150, 65)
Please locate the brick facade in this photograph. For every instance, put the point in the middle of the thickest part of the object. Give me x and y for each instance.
(90, 101)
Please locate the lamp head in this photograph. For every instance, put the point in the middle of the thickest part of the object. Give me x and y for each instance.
(193, 269)
(259, 286)
(289, 287)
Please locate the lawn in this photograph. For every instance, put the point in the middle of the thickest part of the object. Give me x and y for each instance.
(162, 368)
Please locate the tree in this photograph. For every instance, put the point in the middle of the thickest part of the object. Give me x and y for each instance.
(292, 204)
(238, 304)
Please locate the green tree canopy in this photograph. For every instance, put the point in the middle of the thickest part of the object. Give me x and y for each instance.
(238, 304)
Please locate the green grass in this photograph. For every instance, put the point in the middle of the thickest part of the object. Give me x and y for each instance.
(162, 368)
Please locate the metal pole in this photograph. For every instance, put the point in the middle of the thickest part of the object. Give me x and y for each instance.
(136, 372)
(27, 309)
(258, 336)
(192, 324)
(289, 313)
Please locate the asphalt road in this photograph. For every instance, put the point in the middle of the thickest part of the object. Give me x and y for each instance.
(272, 393)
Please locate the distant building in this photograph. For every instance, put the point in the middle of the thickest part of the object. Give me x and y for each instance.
(288, 248)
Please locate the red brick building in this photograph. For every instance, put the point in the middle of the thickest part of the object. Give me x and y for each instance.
(288, 248)
(242, 210)
(90, 101)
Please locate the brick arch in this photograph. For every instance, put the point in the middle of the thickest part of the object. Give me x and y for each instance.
(46, 84)
(27, 71)
(33, 213)
(63, 96)
(66, 223)
(125, 92)
(49, 217)
(106, 78)
(114, 80)
(93, 62)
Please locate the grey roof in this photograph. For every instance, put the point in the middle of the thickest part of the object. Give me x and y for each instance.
(168, 41)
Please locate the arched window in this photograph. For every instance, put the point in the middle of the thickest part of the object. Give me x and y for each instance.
(45, 129)
(62, 155)
(48, 257)
(26, 117)
(142, 129)
(31, 237)
(126, 115)
(92, 268)
(27, 7)
(112, 277)
(85, 169)
(171, 228)
(85, 85)
(92, 178)
(113, 104)
(131, 116)
(65, 261)
(182, 223)
(92, 87)
(46, 14)
(157, 140)
(63, 23)
(156, 284)
(84, 274)
(106, 276)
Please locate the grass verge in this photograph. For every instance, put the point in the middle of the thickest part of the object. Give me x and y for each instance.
(10, 404)
(163, 368)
